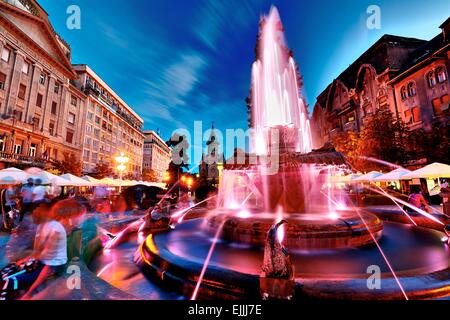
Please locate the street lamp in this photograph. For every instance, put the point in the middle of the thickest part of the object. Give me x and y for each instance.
(122, 160)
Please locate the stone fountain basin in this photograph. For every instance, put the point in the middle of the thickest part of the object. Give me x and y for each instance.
(419, 258)
(303, 231)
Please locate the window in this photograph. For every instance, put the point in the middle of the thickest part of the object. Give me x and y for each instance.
(73, 100)
(445, 101)
(408, 117)
(403, 93)
(42, 78)
(18, 148)
(441, 75)
(22, 90)
(2, 81)
(32, 151)
(54, 108)
(71, 118)
(17, 114)
(69, 136)
(25, 67)
(5, 54)
(56, 88)
(39, 100)
(416, 114)
(90, 115)
(87, 142)
(436, 106)
(36, 121)
(431, 79)
(97, 120)
(98, 108)
(94, 157)
(51, 128)
(95, 144)
(97, 132)
(411, 89)
(2, 142)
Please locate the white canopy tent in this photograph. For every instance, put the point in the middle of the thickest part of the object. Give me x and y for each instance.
(394, 175)
(93, 181)
(76, 181)
(431, 171)
(367, 177)
(13, 176)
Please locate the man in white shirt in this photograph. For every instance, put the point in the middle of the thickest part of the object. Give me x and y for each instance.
(27, 198)
(39, 192)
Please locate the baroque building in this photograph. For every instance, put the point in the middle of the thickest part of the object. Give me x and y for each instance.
(40, 110)
(407, 76)
(157, 154)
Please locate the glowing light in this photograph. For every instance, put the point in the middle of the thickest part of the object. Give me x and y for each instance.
(333, 215)
(281, 232)
(244, 214)
(445, 239)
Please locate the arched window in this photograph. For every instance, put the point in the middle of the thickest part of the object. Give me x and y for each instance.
(403, 93)
(441, 75)
(412, 89)
(431, 79)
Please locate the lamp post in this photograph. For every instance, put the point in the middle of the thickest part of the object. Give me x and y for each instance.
(122, 160)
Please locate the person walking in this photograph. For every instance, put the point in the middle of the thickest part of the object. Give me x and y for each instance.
(417, 199)
(39, 193)
(27, 198)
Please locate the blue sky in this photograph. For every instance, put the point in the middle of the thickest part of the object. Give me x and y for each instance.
(179, 61)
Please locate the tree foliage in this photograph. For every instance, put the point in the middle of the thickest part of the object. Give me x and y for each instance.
(102, 170)
(149, 175)
(70, 164)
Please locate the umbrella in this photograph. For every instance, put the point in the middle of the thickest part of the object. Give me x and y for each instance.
(13, 173)
(367, 177)
(434, 170)
(95, 182)
(394, 175)
(4, 179)
(109, 182)
(50, 178)
(76, 181)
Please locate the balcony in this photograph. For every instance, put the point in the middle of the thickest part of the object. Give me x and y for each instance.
(18, 158)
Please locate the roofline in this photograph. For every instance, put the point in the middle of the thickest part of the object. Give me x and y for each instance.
(423, 62)
(145, 132)
(87, 69)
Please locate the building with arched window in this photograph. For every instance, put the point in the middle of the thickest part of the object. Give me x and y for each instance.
(407, 76)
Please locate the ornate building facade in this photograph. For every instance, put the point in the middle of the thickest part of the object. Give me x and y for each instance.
(157, 154)
(109, 126)
(407, 76)
(40, 111)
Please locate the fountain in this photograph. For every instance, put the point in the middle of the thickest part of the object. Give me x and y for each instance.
(331, 244)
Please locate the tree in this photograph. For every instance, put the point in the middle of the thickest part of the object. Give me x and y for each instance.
(102, 170)
(382, 138)
(70, 164)
(149, 175)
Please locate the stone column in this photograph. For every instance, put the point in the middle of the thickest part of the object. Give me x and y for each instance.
(3, 107)
(48, 104)
(31, 105)
(62, 110)
(15, 80)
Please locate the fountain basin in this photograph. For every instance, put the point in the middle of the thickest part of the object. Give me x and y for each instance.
(234, 270)
(303, 231)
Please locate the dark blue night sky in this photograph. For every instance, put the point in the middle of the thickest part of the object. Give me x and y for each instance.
(179, 61)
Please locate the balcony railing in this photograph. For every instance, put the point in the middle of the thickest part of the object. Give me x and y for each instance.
(13, 157)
